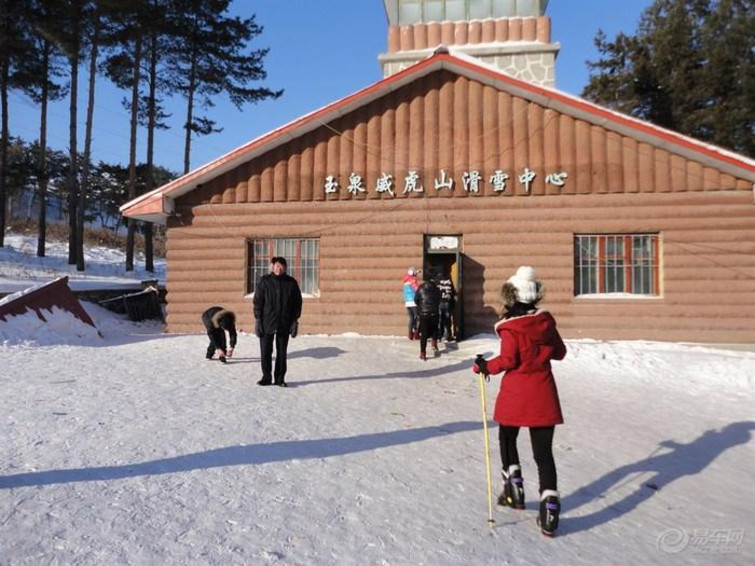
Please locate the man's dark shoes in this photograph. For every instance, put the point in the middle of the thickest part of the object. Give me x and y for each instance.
(264, 382)
(281, 384)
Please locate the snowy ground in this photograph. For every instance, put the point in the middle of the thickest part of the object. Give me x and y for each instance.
(131, 449)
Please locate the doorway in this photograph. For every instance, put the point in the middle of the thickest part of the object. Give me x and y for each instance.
(442, 254)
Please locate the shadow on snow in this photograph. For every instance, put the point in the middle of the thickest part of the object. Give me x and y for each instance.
(240, 456)
(429, 372)
(681, 460)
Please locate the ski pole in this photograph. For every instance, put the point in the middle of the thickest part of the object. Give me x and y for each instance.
(484, 403)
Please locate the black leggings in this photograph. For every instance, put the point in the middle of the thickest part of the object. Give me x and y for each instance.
(428, 326)
(542, 450)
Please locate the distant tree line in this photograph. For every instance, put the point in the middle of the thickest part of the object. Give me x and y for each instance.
(689, 67)
(152, 50)
(107, 183)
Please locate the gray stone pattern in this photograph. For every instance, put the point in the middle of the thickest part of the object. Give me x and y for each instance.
(537, 68)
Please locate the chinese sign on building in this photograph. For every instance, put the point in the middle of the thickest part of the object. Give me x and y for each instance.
(471, 182)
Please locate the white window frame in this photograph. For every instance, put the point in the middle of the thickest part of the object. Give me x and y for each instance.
(302, 259)
(617, 265)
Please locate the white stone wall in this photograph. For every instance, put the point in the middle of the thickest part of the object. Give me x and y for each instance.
(538, 67)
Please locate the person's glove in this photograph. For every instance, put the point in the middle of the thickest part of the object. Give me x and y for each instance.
(480, 366)
(258, 328)
(295, 329)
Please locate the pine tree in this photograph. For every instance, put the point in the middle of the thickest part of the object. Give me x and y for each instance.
(159, 34)
(40, 76)
(123, 67)
(15, 45)
(689, 67)
(211, 57)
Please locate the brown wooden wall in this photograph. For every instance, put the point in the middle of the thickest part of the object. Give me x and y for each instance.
(708, 260)
(706, 219)
(445, 121)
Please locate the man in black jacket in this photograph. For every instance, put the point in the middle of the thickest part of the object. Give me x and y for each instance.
(218, 321)
(277, 308)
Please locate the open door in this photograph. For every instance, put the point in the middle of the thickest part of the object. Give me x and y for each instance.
(443, 254)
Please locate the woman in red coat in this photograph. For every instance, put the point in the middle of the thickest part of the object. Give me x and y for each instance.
(528, 396)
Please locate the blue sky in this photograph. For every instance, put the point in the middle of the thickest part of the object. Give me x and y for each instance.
(320, 51)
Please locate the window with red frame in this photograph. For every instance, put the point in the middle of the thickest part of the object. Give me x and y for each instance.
(302, 259)
(616, 263)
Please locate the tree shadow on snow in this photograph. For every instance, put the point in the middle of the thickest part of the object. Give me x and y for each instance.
(681, 460)
(321, 353)
(429, 372)
(240, 456)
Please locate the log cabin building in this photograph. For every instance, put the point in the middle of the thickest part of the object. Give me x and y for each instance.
(465, 156)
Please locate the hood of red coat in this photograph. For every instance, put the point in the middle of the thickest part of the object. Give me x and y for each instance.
(539, 327)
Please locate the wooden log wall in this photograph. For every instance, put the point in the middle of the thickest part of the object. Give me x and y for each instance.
(708, 260)
(447, 122)
(615, 184)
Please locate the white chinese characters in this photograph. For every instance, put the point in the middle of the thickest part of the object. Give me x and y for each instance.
(471, 181)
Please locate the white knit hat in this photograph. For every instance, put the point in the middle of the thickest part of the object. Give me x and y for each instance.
(411, 271)
(528, 290)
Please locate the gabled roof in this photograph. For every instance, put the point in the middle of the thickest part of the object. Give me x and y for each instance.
(157, 205)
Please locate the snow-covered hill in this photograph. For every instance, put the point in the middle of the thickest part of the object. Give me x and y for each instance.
(19, 266)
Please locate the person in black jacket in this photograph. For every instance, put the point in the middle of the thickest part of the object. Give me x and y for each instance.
(277, 308)
(427, 299)
(218, 321)
(447, 303)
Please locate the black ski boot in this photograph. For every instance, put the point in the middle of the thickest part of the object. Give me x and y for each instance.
(513, 488)
(550, 507)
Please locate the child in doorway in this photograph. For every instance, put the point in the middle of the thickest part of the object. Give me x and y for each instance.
(528, 396)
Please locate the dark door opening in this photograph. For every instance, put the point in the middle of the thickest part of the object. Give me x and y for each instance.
(443, 256)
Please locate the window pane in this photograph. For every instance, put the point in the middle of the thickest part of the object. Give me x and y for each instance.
(527, 8)
(409, 12)
(433, 11)
(455, 10)
(302, 258)
(479, 9)
(504, 8)
(643, 267)
(614, 264)
(610, 263)
(586, 265)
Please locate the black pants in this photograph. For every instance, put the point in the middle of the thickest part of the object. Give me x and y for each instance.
(217, 340)
(542, 450)
(428, 327)
(445, 329)
(266, 349)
